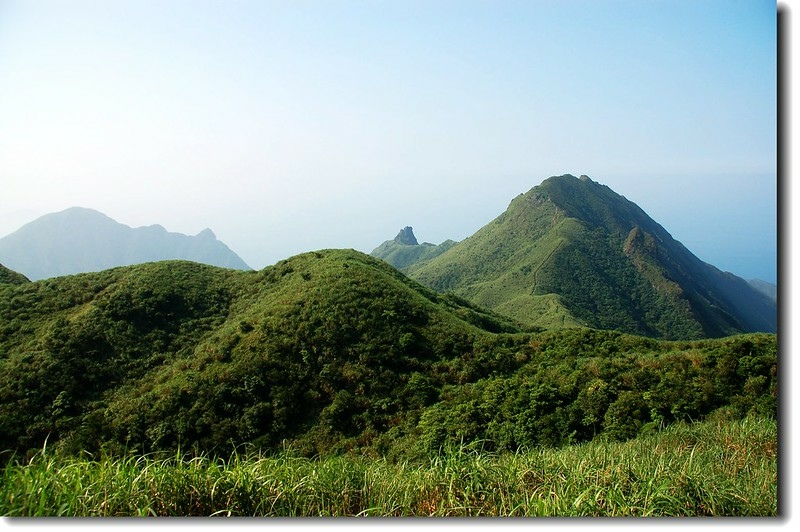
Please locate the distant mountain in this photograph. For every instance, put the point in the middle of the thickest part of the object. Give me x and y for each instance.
(769, 289)
(572, 252)
(79, 240)
(404, 249)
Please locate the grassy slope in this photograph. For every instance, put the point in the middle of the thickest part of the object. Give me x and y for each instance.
(709, 469)
(401, 255)
(720, 303)
(497, 267)
(572, 252)
(325, 344)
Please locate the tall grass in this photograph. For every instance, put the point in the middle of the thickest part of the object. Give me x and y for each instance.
(708, 469)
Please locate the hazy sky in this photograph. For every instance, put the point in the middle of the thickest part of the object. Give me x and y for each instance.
(289, 126)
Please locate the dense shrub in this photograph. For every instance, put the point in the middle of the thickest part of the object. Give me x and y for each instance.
(332, 352)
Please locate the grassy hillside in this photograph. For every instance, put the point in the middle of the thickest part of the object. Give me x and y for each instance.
(719, 468)
(402, 255)
(404, 250)
(497, 267)
(334, 351)
(572, 252)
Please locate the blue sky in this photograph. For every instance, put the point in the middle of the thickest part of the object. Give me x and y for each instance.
(292, 126)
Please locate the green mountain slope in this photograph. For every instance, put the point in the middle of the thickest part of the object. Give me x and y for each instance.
(168, 352)
(11, 277)
(572, 252)
(404, 250)
(327, 352)
(79, 240)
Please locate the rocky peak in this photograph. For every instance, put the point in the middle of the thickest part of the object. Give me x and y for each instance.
(406, 236)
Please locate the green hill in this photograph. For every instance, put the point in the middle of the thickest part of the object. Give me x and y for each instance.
(11, 277)
(332, 351)
(171, 352)
(404, 250)
(571, 252)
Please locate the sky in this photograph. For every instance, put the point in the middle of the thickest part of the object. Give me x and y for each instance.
(291, 126)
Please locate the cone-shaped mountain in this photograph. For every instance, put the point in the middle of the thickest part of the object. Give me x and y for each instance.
(572, 252)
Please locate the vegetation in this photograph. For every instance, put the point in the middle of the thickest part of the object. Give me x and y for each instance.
(719, 468)
(571, 252)
(334, 352)
(11, 277)
(404, 250)
(332, 384)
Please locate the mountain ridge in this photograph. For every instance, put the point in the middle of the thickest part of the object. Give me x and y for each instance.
(79, 240)
(404, 249)
(765, 287)
(329, 352)
(572, 252)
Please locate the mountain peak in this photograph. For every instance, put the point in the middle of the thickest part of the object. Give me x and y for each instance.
(78, 211)
(571, 251)
(79, 240)
(406, 236)
(207, 233)
(593, 203)
(75, 214)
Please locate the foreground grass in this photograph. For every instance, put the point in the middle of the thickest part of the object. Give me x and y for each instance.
(708, 469)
